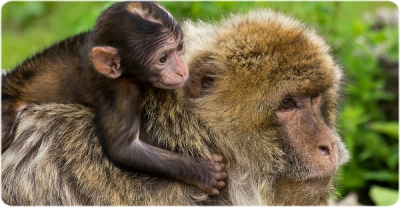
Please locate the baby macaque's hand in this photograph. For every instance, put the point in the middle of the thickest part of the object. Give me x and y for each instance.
(212, 177)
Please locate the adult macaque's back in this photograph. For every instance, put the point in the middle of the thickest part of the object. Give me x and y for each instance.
(263, 93)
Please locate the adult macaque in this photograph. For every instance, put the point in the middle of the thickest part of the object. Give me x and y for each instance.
(133, 48)
(263, 92)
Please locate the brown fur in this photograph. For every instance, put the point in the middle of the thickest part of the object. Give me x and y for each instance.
(241, 69)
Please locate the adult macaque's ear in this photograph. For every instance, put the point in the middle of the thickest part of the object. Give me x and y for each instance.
(201, 79)
(106, 60)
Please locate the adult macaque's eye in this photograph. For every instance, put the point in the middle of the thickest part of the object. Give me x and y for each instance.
(163, 59)
(180, 46)
(287, 104)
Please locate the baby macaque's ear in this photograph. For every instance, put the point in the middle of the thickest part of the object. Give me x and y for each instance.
(106, 61)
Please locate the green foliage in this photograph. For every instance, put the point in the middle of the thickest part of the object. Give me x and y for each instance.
(205, 10)
(390, 129)
(371, 139)
(383, 196)
(28, 27)
(370, 136)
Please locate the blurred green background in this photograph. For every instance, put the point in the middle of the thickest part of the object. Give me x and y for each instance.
(364, 38)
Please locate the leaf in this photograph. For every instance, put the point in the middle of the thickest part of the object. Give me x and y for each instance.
(392, 158)
(383, 196)
(389, 128)
(381, 175)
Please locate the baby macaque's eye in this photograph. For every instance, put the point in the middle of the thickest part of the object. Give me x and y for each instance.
(163, 58)
(180, 46)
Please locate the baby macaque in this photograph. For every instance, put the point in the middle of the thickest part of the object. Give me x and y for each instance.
(134, 46)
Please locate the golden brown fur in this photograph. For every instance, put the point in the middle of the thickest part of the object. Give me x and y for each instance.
(241, 69)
